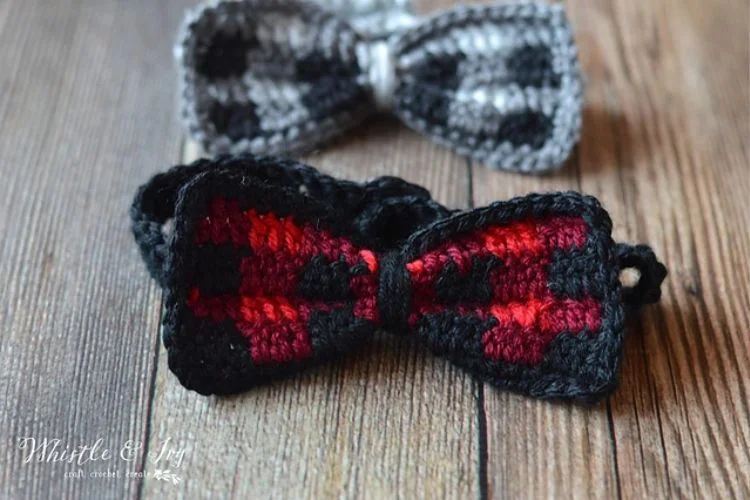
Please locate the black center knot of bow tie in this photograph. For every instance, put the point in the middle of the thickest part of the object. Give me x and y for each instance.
(394, 293)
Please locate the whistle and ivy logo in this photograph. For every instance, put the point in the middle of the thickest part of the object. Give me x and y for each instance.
(167, 475)
(167, 458)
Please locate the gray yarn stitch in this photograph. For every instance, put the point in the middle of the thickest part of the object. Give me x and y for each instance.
(500, 84)
(374, 19)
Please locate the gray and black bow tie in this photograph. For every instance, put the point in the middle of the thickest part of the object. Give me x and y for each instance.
(500, 84)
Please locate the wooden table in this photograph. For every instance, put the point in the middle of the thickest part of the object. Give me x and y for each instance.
(88, 112)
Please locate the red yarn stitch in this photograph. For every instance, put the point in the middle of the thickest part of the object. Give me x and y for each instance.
(524, 330)
(525, 239)
(276, 341)
(270, 273)
(277, 326)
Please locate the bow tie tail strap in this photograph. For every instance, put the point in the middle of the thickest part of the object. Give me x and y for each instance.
(153, 206)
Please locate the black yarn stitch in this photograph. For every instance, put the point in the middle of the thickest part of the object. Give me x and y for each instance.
(226, 55)
(474, 286)
(531, 66)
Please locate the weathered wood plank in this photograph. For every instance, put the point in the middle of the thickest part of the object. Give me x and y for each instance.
(663, 149)
(678, 167)
(84, 115)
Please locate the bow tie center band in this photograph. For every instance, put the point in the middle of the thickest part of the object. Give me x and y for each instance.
(378, 58)
(271, 266)
(498, 83)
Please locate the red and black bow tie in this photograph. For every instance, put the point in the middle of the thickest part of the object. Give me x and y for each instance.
(271, 266)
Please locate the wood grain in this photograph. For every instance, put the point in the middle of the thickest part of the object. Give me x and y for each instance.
(84, 116)
(682, 421)
(87, 112)
(665, 148)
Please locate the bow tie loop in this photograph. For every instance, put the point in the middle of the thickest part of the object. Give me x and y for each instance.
(269, 269)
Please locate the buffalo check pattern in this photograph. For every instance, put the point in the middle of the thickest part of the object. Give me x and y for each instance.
(263, 280)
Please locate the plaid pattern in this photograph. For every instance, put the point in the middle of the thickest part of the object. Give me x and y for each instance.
(500, 83)
(268, 77)
(263, 281)
(498, 275)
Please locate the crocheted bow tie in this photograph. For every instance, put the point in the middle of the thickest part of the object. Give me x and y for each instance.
(271, 266)
(498, 83)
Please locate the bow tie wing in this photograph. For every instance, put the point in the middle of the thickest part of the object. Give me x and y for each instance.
(498, 83)
(525, 294)
(268, 77)
(259, 281)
